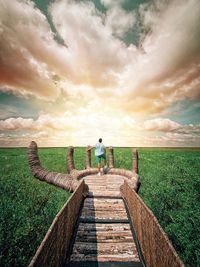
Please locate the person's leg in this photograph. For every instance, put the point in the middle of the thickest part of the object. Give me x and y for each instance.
(99, 167)
(99, 164)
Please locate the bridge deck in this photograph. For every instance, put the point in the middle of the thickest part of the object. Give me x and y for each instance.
(103, 235)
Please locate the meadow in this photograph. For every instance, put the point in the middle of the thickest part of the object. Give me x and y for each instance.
(170, 187)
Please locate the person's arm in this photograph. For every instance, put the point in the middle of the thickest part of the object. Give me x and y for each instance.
(90, 147)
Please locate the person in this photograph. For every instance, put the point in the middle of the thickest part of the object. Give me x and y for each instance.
(100, 151)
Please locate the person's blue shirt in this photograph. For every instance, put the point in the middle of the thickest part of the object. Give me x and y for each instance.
(99, 149)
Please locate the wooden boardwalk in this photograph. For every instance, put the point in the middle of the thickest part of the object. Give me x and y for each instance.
(103, 235)
(97, 230)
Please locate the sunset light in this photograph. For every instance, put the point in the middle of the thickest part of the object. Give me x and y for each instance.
(73, 71)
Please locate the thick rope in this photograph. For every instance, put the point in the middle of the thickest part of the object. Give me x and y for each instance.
(65, 181)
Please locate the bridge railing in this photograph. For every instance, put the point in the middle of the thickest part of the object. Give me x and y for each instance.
(53, 249)
(155, 245)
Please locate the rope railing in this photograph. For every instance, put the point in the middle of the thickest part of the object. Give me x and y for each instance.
(135, 161)
(88, 158)
(155, 245)
(131, 176)
(61, 180)
(55, 246)
(111, 157)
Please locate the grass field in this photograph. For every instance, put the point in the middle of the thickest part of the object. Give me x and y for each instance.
(170, 187)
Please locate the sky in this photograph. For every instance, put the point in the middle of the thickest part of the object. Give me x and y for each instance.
(73, 71)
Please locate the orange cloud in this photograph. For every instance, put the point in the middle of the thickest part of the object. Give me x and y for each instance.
(164, 69)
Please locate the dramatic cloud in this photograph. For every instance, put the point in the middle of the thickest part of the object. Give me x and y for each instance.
(66, 122)
(94, 79)
(115, 11)
(159, 124)
(97, 55)
(29, 55)
(169, 67)
(167, 125)
(7, 111)
(58, 129)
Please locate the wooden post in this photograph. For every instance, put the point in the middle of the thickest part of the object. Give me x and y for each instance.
(111, 157)
(135, 161)
(70, 159)
(33, 158)
(88, 158)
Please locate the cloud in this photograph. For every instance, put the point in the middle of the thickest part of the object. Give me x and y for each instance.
(29, 55)
(95, 62)
(167, 125)
(169, 66)
(171, 140)
(16, 124)
(159, 124)
(97, 54)
(112, 3)
(7, 111)
(115, 11)
(67, 121)
(83, 128)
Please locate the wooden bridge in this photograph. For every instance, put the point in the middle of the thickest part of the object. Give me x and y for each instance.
(104, 230)
(104, 223)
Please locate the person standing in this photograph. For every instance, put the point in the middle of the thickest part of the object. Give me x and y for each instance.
(100, 151)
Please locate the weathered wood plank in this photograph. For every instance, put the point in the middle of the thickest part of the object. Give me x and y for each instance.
(105, 263)
(103, 227)
(104, 206)
(104, 248)
(104, 201)
(103, 209)
(105, 258)
(105, 237)
(105, 193)
(103, 216)
(125, 251)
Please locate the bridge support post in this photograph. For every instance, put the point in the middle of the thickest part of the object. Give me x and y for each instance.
(111, 157)
(88, 158)
(70, 159)
(135, 159)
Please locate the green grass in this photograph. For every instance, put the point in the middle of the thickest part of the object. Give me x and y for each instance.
(170, 187)
(27, 206)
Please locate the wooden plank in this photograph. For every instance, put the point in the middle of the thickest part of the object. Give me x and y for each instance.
(103, 187)
(96, 220)
(105, 180)
(126, 251)
(104, 200)
(105, 183)
(104, 193)
(104, 227)
(105, 258)
(103, 204)
(104, 233)
(114, 263)
(97, 237)
(105, 208)
(104, 248)
(101, 181)
(104, 216)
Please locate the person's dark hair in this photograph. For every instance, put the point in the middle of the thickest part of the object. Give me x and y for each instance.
(100, 140)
